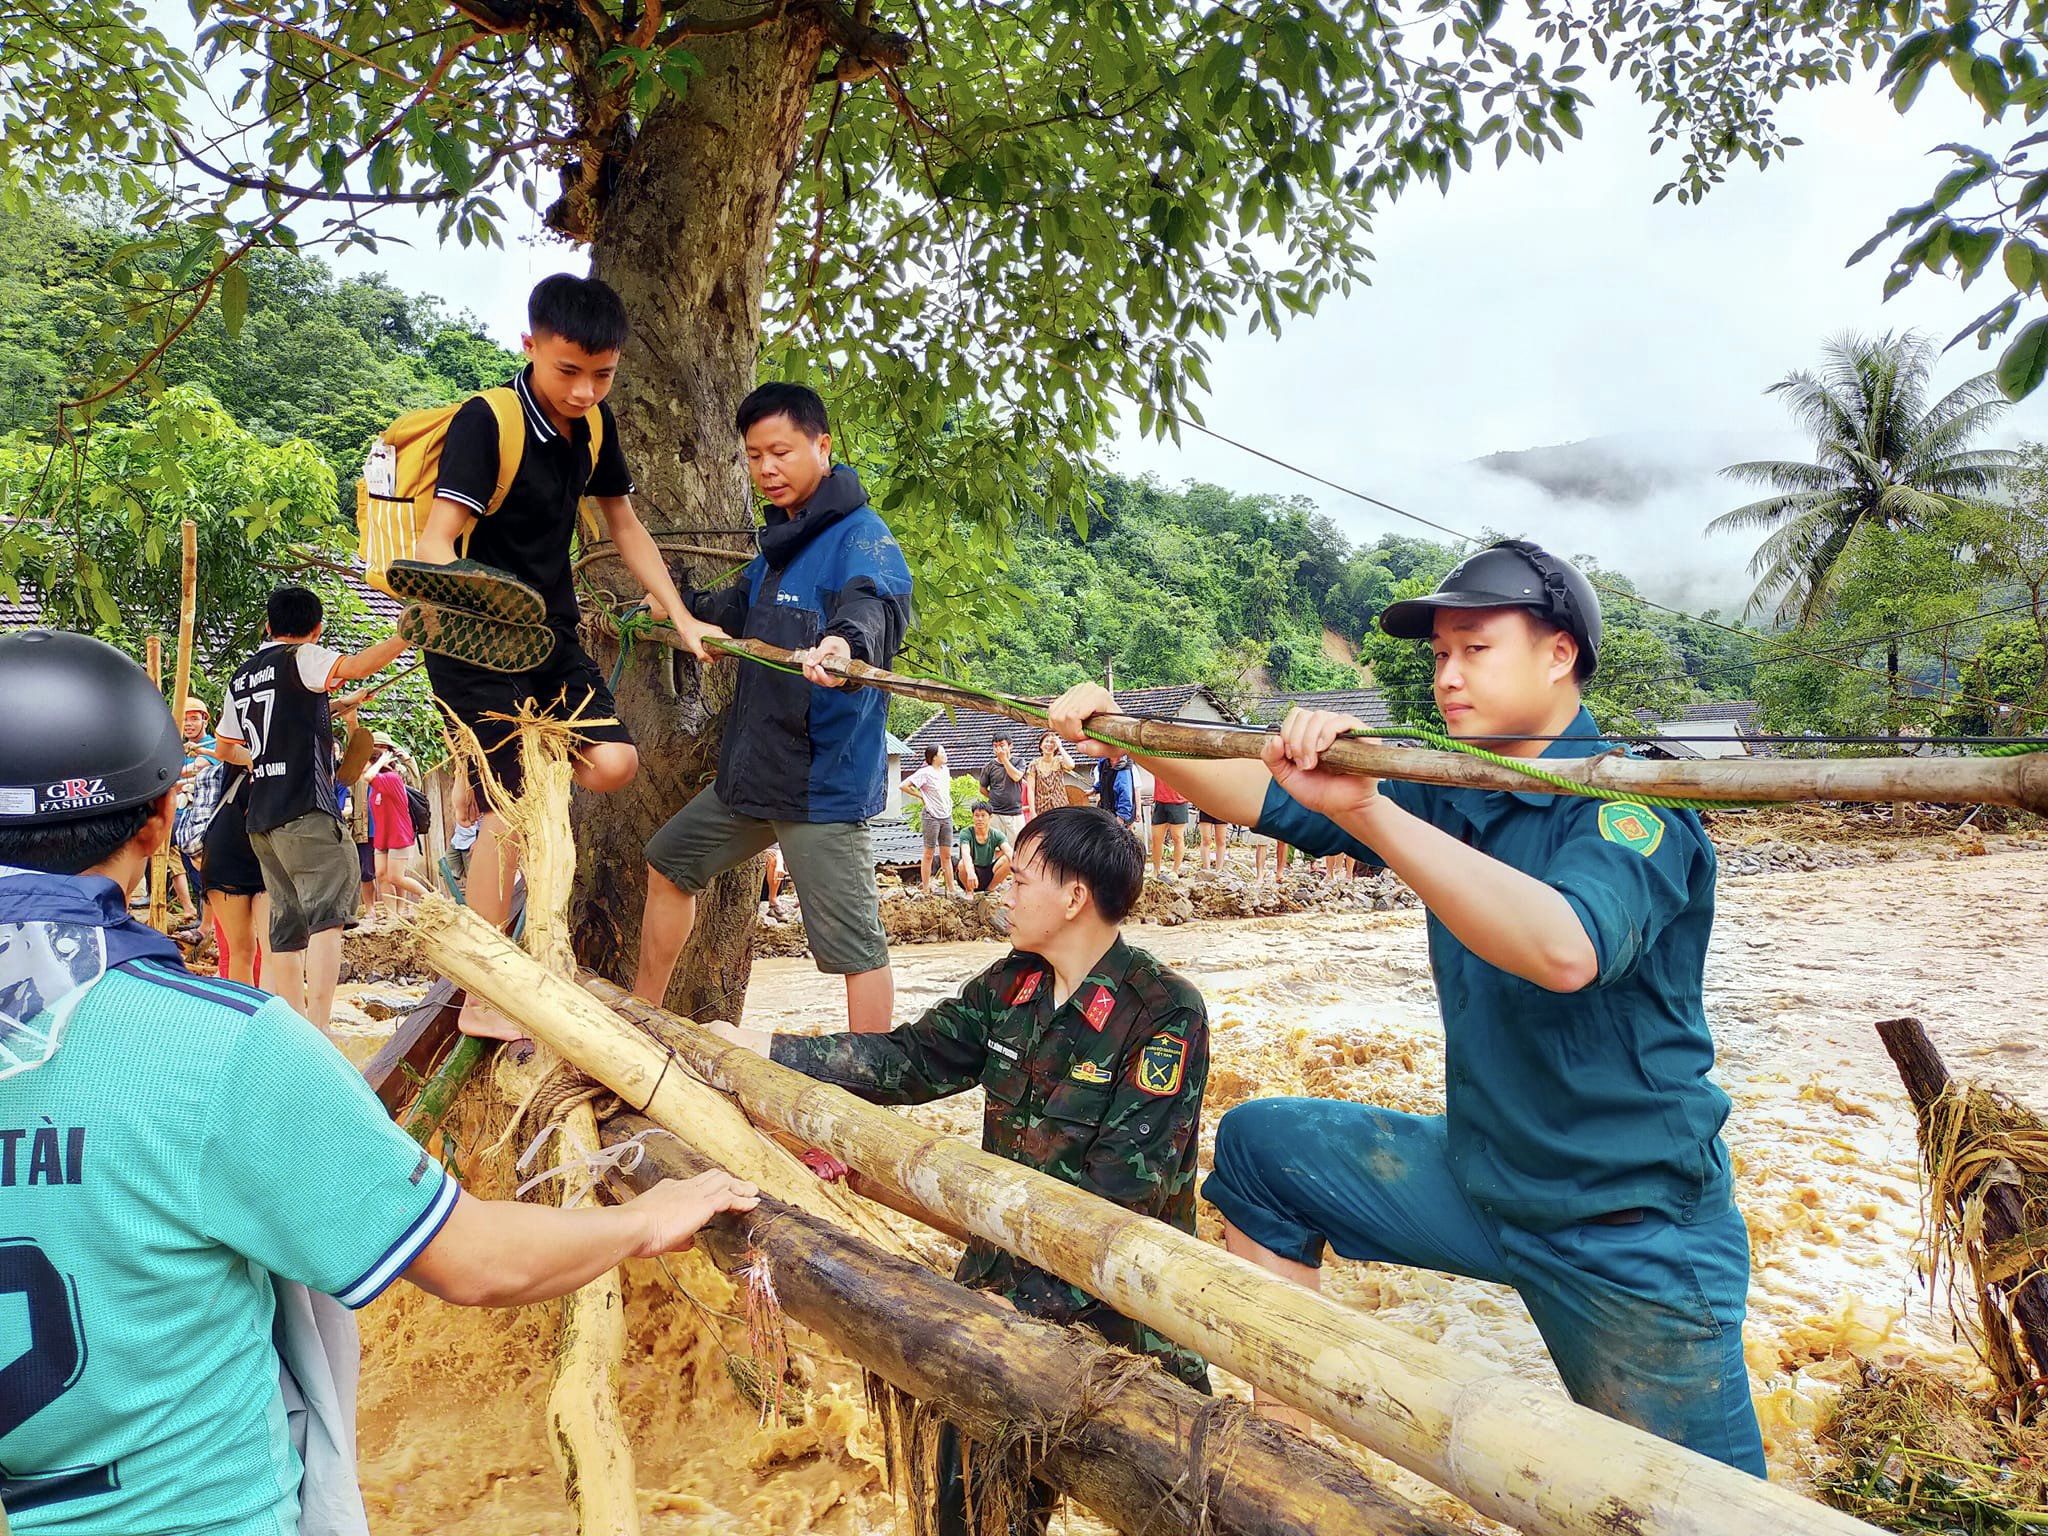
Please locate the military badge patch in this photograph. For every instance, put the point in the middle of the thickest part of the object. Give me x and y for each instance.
(1632, 826)
(1026, 988)
(1099, 1005)
(1089, 1072)
(1161, 1065)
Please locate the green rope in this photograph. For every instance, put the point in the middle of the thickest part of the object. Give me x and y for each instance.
(1549, 779)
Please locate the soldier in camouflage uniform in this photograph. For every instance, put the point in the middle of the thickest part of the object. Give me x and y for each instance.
(1093, 1054)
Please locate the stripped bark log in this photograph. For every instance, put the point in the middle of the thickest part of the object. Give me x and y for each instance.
(584, 1431)
(1513, 1449)
(1128, 1447)
(582, 1031)
(2015, 781)
(2005, 1220)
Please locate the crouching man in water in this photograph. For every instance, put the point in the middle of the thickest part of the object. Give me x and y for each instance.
(178, 1148)
(1579, 1158)
(1094, 1056)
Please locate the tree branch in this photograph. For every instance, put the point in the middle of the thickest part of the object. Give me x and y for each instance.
(304, 194)
(864, 50)
(698, 26)
(498, 17)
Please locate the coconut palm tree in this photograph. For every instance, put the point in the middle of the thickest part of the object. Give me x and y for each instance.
(1884, 458)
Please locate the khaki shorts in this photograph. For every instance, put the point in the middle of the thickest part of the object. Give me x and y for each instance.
(830, 863)
(1009, 826)
(310, 874)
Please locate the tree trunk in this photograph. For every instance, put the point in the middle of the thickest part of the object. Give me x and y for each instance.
(683, 235)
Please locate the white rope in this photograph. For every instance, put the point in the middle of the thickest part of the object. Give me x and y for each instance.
(621, 1157)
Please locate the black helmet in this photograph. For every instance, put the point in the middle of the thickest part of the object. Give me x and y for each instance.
(1511, 574)
(85, 730)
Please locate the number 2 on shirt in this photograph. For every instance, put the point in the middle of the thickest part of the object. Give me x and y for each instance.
(42, 1373)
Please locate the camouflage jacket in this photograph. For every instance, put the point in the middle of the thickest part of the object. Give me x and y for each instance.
(1103, 1091)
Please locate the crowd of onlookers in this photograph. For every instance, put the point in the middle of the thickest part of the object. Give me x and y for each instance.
(374, 795)
(973, 859)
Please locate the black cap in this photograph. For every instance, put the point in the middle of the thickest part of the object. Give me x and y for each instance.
(1511, 574)
(86, 732)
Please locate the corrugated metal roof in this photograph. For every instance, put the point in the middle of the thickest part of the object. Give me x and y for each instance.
(1368, 704)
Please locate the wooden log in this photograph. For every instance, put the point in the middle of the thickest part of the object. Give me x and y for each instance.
(1127, 1454)
(584, 1430)
(1927, 1077)
(414, 1046)
(583, 1032)
(2021, 782)
(1513, 1449)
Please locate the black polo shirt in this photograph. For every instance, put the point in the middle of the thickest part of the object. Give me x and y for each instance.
(529, 535)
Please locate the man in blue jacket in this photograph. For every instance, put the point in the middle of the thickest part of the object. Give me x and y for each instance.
(800, 766)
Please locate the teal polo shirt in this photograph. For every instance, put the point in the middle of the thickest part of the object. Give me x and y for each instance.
(1561, 1106)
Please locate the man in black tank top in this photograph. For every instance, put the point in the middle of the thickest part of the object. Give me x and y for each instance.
(276, 722)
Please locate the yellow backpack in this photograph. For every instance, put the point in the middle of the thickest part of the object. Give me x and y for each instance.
(397, 489)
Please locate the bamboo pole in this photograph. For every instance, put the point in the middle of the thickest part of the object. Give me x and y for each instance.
(575, 1026)
(2021, 782)
(181, 683)
(1512, 1449)
(1130, 1454)
(159, 867)
(585, 1433)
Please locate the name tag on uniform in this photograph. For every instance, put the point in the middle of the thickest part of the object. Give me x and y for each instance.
(1008, 1053)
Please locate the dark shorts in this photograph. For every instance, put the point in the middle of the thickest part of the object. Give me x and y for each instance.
(829, 862)
(1170, 815)
(366, 862)
(567, 680)
(228, 864)
(1207, 820)
(310, 877)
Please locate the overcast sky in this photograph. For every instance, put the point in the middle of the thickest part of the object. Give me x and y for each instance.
(1535, 305)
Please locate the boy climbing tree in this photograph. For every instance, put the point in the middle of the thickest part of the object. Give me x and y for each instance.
(1579, 1158)
(492, 564)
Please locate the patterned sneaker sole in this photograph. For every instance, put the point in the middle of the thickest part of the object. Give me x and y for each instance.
(467, 587)
(488, 643)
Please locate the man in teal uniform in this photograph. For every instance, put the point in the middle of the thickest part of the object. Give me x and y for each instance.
(1579, 1158)
(170, 1142)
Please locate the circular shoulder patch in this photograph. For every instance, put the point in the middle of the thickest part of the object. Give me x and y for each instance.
(1632, 826)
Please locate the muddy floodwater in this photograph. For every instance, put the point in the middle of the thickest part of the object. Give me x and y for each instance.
(1337, 1005)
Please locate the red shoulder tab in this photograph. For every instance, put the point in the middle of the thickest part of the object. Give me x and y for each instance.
(1026, 988)
(1097, 1012)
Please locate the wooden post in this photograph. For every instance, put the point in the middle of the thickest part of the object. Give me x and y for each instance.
(1132, 1456)
(1515, 1450)
(181, 683)
(2019, 1307)
(584, 1430)
(159, 864)
(2021, 782)
(582, 1031)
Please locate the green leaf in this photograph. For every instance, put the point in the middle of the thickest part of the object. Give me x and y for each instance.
(2025, 361)
(234, 298)
(2019, 264)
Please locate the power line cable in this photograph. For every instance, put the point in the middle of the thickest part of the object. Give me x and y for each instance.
(1611, 590)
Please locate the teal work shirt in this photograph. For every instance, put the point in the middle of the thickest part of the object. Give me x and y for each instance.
(1561, 1106)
